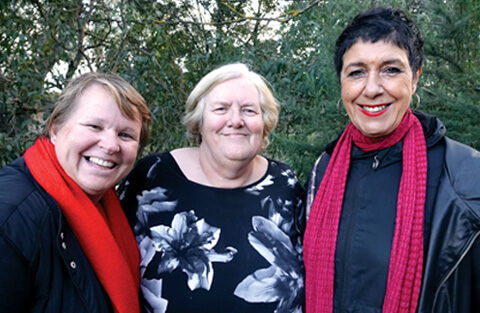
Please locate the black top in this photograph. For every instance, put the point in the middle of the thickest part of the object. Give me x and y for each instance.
(367, 220)
(206, 249)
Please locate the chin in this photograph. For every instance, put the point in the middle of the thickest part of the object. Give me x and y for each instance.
(240, 156)
(374, 132)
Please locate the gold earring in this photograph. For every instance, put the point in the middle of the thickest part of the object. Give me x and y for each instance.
(418, 102)
(338, 108)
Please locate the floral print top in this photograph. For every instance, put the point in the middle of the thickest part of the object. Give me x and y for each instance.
(206, 249)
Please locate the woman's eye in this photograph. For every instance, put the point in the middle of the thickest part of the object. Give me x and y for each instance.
(249, 111)
(125, 136)
(392, 70)
(219, 109)
(355, 73)
(93, 126)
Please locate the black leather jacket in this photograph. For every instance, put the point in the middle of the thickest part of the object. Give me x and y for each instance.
(42, 266)
(451, 279)
(451, 273)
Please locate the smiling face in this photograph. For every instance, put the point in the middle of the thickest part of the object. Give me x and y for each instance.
(232, 126)
(97, 145)
(377, 85)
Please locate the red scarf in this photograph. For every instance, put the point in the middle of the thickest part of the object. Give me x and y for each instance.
(108, 243)
(405, 271)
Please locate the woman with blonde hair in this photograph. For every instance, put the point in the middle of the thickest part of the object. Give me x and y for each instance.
(217, 223)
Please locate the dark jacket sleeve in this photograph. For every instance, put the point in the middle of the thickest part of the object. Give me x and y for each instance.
(464, 169)
(16, 279)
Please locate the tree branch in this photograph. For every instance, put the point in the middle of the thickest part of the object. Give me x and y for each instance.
(281, 19)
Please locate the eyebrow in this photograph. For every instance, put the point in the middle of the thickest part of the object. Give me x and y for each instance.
(130, 129)
(221, 102)
(386, 62)
(94, 119)
(217, 102)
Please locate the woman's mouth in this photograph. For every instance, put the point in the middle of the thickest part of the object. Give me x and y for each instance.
(374, 110)
(100, 162)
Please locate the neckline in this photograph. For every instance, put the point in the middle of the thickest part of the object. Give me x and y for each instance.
(258, 181)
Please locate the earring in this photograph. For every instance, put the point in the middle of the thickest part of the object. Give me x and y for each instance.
(418, 102)
(338, 108)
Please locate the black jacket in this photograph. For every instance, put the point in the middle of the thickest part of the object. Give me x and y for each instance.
(451, 277)
(42, 265)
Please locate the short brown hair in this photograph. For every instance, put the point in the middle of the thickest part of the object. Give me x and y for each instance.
(129, 101)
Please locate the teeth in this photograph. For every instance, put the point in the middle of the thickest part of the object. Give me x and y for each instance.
(374, 109)
(101, 162)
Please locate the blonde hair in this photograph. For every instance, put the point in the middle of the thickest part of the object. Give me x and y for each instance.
(195, 104)
(130, 103)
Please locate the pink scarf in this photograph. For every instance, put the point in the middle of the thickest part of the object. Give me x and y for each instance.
(108, 242)
(406, 260)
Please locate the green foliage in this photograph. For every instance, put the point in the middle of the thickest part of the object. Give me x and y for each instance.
(164, 47)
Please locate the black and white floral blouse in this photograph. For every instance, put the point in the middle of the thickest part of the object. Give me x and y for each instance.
(206, 249)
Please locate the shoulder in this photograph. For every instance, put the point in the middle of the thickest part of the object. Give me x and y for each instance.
(283, 174)
(16, 186)
(187, 160)
(152, 160)
(24, 205)
(278, 165)
(150, 165)
(459, 183)
(462, 165)
(278, 168)
(184, 153)
(459, 151)
(149, 172)
(15, 173)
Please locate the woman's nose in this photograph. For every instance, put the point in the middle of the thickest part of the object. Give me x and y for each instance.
(235, 118)
(109, 143)
(373, 86)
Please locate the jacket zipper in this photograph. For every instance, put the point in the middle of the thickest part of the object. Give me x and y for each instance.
(450, 273)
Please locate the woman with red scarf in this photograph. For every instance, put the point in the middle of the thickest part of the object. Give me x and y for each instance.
(65, 243)
(393, 204)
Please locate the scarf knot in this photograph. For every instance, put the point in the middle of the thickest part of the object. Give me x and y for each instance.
(379, 143)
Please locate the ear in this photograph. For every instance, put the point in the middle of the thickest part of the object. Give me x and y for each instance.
(415, 79)
(53, 134)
